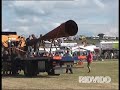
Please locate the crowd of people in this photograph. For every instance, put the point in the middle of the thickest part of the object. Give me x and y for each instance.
(110, 55)
(33, 50)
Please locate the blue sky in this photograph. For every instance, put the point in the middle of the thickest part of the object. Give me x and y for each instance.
(40, 17)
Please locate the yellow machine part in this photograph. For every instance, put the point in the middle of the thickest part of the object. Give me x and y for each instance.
(12, 37)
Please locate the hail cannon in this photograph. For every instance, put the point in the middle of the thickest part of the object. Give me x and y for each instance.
(33, 65)
(68, 28)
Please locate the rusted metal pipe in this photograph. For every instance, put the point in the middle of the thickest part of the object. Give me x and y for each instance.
(66, 29)
(69, 28)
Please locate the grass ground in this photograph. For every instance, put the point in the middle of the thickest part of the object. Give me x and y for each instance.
(67, 81)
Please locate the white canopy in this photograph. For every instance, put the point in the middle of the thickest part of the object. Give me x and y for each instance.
(91, 48)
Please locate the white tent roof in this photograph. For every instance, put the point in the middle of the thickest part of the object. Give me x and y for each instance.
(91, 47)
(78, 48)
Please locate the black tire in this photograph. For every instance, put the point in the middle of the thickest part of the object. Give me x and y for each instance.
(50, 69)
(26, 72)
(51, 72)
(29, 71)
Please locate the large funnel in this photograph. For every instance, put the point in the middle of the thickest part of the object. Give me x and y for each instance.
(66, 29)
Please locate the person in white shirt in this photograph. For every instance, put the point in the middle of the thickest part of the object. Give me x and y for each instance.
(112, 55)
(9, 42)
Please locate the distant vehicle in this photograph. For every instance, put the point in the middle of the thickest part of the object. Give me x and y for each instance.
(95, 37)
(104, 45)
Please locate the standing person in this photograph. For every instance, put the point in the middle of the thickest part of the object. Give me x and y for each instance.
(37, 49)
(9, 42)
(69, 67)
(106, 55)
(89, 60)
(29, 47)
(34, 45)
(112, 55)
(5, 58)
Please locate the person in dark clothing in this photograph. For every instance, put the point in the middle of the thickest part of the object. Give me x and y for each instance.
(13, 63)
(34, 45)
(29, 47)
(69, 67)
(5, 58)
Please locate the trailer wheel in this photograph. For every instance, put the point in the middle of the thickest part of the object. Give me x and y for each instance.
(29, 73)
(29, 70)
(26, 72)
(50, 69)
(51, 72)
(14, 68)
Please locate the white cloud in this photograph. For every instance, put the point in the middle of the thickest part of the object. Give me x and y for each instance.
(95, 29)
(6, 29)
(56, 24)
(22, 20)
(81, 3)
(93, 21)
(112, 32)
(99, 3)
(23, 30)
(36, 19)
(23, 3)
(42, 16)
(37, 7)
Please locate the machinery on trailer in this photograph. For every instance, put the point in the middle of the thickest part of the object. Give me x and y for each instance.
(19, 60)
(14, 39)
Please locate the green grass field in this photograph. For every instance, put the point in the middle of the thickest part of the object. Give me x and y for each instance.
(68, 81)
